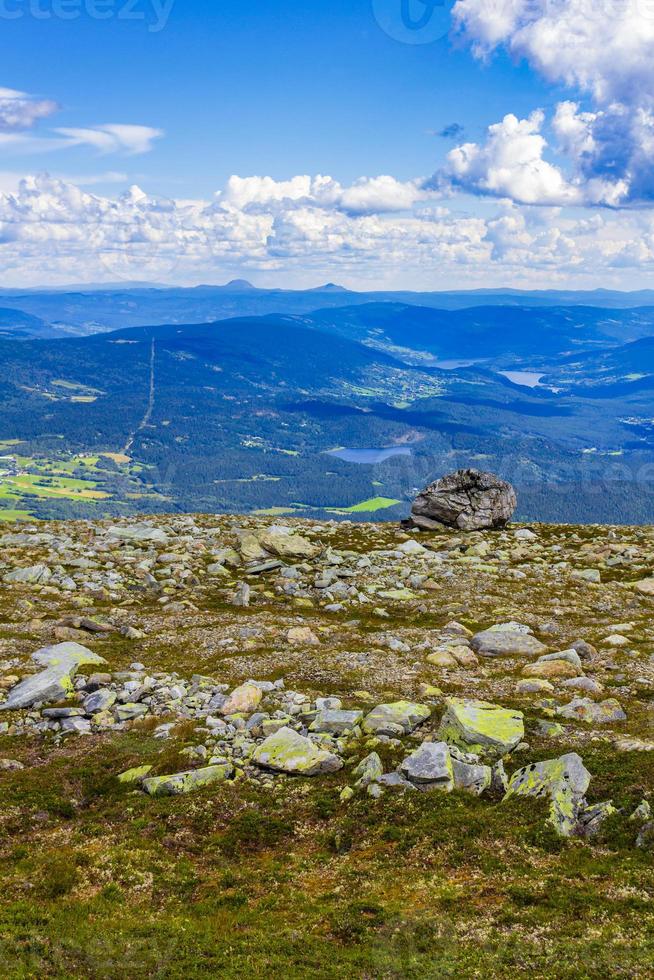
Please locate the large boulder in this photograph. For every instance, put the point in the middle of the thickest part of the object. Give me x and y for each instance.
(468, 499)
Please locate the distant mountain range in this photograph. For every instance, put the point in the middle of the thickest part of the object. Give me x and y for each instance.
(84, 310)
(254, 412)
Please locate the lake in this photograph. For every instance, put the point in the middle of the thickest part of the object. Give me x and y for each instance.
(528, 379)
(369, 455)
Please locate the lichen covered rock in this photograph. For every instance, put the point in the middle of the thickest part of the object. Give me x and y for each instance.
(564, 781)
(185, 782)
(478, 726)
(396, 718)
(55, 683)
(288, 751)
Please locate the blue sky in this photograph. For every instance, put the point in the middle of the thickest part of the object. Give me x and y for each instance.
(177, 96)
(281, 88)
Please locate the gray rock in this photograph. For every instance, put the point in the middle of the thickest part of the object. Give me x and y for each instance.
(335, 722)
(583, 709)
(99, 701)
(570, 656)
(430, 765)
(130, 711)
(138, 534)
(467, 499)
(506, 643)
(396, 718)
(34, 575)
(55, 683)
(473, 778)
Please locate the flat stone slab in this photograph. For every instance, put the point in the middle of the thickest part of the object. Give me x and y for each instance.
(602, 713)
(139, 534)
(55, 683)
(479, 726)
(288, 751)
(33, 575)
(185, 782)
(506, 643)
(396, 718)
(335, 722)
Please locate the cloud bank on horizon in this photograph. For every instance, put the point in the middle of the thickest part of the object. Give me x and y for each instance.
(563, 197)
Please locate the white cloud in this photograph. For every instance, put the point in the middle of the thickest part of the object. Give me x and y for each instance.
(19, 114)
(113, 138)
(365, 196)
(510, 164)
(290, 229)
(19, 111)
(603, 51)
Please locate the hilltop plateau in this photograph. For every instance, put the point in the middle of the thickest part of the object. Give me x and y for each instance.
(327, 748)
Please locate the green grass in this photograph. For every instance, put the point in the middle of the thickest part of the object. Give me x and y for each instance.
(99, 881)
(15, 515)
(366, 506)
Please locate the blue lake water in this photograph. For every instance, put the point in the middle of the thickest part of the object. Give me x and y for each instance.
(369, 455)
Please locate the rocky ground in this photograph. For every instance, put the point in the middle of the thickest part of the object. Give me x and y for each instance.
(333, 750)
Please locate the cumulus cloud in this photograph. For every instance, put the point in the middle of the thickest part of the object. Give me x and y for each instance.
(307, 227)
(365, 196)
(605, 52)
(510, 164)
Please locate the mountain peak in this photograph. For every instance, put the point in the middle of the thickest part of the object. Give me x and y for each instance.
(329, 287)
(239, 284)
